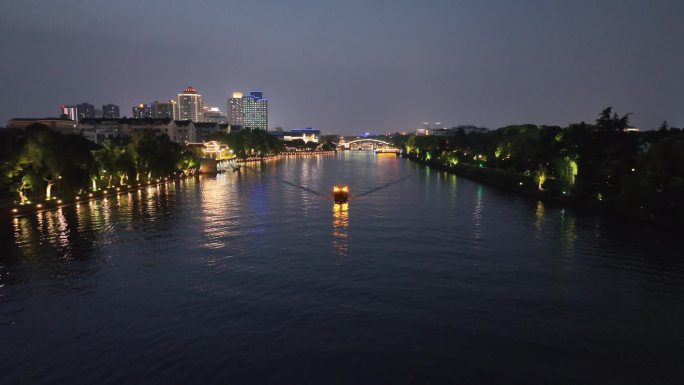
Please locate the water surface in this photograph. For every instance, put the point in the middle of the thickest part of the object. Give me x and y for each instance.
(256, 277)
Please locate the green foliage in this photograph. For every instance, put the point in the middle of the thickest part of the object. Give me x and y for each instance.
(450, 158)
(656, 186)
(190, 158)
(39, 163)
(250, 142)
(44, 163)
(328, 146)
(581, 162)
(609, 121)
(540, 178)
(566, 171)
(11, 146)
(154, 156)
(425, 144)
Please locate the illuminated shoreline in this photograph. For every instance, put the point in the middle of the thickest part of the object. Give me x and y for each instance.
(55, 203)
(23, 210)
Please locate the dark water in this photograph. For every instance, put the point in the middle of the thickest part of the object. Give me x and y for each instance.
(256, 278)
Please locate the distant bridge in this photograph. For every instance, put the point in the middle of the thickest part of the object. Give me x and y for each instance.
(364, 144)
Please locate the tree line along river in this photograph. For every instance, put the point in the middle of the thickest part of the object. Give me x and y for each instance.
(256, 277)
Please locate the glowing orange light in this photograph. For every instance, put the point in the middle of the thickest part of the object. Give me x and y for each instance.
(39, 205)
(340, 193)
(15, 210)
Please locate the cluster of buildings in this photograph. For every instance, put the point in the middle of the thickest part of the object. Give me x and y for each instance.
(244, 110)
(184, 119)
(86, 110)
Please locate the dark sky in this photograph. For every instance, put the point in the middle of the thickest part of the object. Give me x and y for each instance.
(352, 66)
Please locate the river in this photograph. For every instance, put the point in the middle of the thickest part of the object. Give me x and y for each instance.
(256, 277)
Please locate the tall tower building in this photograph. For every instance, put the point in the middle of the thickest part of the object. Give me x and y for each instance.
(256, 111)
(110, 111)
(71, 112)
(162, 110)
(249, 110)
(236, 110)
(190, 105)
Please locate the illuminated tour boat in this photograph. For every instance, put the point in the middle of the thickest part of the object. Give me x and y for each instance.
(341, 194)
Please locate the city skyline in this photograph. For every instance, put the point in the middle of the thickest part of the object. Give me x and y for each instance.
(341, 191)
(356, 66)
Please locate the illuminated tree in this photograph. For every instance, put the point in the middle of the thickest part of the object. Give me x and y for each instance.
(45, 161)
(540, 177)
(566, 171)
(44, 158)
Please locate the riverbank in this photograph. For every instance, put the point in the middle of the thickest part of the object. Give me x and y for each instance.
(527, 185)
(34, 207)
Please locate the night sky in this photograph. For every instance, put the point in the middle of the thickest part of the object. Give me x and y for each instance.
(352, 66)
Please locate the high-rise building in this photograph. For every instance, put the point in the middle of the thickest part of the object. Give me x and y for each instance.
(70, 112)
(79, 111)
(249, 110)
(162, 110)
(256, 111)
(236, 111)
(110, 111)
(142, 111)
(85, 110)
(190, 105)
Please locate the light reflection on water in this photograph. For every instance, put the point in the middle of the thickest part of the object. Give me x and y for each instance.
(477, 215)
(216, 224)
(539, 220)
(241, 272)
(568, 237)
(340, 228)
